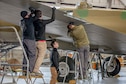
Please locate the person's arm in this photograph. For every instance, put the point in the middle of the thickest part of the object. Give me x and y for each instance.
(32, 10)
(52, 18)
(53, 13)
(22, 25)
(81, 27)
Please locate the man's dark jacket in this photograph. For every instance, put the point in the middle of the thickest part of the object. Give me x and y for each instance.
(54, 58)
(40, 26)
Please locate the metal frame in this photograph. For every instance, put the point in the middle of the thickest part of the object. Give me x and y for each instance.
(99, 58)
(20, 42)
(77, 65)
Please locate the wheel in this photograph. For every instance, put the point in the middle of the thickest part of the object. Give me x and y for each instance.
(114, 67)
(65, 68)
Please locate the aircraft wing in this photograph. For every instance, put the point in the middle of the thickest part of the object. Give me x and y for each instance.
(113, 19)
(100, 37)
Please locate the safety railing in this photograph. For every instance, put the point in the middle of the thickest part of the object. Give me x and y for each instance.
(2, 30)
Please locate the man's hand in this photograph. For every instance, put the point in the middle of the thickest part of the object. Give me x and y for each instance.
(53, 9)
(32, 9)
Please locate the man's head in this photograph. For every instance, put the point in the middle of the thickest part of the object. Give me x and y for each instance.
(54, 44)
(70, 25)
(38, 13)
(24, 14)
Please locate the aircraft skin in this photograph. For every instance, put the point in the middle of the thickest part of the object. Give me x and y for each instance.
(112, 19)
(101, 35)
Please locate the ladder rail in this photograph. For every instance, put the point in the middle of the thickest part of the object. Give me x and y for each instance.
(20, 42)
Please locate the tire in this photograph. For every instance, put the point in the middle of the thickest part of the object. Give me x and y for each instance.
(114, 68)
(64, 68)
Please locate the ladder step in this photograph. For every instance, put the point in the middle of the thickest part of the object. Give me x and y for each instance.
(24, 77)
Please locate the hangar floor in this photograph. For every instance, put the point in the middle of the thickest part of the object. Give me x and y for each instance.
(95, 80)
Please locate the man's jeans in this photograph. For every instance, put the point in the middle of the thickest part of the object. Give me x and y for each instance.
(84, 56)
(41, 51)
(53, 75)
(30, 48)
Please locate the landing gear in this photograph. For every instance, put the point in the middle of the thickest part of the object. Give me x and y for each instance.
(66, 66)
(111, 68)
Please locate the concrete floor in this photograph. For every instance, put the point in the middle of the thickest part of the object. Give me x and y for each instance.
(95, 80)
